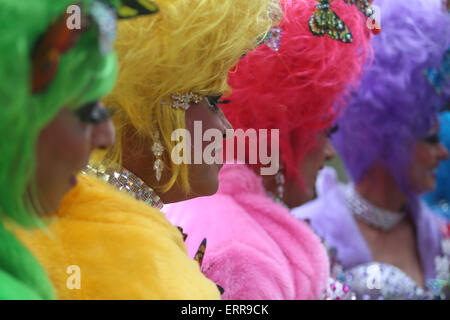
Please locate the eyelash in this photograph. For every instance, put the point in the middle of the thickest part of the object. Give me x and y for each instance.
(432, 139)
(92, 113)
(214, 101)
(332, 131)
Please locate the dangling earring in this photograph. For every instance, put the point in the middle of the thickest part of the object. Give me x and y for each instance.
(158, 150)
(279, 179)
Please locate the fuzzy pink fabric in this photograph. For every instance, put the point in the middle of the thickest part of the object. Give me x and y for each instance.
(256, 249)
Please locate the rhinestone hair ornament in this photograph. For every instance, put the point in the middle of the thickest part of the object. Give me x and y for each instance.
(272, 40)
(365, 6)
(438, 77)
(183, 100)
(324, 21)
(273, 37)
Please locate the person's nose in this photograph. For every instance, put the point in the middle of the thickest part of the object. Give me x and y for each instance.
(103, 135)
(442, 152)
(330, 153)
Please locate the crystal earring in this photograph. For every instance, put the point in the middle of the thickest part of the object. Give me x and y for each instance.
(158, 149)
(279, 179)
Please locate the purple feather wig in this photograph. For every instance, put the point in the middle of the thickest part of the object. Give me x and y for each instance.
(395, 104)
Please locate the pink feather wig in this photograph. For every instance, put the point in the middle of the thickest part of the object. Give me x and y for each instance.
(301, 88)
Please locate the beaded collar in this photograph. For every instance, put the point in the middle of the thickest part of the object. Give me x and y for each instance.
(125, 181)
(370, 214)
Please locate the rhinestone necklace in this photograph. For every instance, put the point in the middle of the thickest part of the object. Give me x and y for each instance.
(127, 182)
(370, 214)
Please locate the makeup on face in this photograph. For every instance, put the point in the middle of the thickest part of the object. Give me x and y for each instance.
(213, 101)
(203, 176)
(329, 132)
(93, 113)
(64, 147)
(432, 139)
(432, 136)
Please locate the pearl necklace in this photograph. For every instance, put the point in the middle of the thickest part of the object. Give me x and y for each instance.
(127, 182)
(370, 214)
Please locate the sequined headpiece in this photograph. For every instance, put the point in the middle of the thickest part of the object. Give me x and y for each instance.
(183, 100)
(273, 37)
(325, 21)
(382, 114)
(363, 5)
(60, 37)
(438, 77)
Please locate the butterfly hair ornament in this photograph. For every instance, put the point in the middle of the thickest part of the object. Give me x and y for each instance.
(60, 37)
(135, 8)
(325, 21)
(365, 6)
(438, 77)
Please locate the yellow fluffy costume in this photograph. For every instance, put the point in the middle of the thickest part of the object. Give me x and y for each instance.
(120, 249)
(104, 244)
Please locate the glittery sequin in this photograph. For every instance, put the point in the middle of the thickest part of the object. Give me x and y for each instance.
(273, 38)
(379, 281)
(325, 21)
(338, 291)
(363, 5)
(183, 100)
(438, 77)
(372, 215)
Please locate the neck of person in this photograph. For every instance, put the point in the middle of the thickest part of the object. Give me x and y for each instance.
(293, 195)
(380, 189)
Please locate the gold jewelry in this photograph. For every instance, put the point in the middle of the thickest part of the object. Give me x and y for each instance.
(183, 100)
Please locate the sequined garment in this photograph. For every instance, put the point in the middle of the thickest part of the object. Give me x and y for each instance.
(371, 281)
(126, 181)
(336, 290)
(380, 281)
(351, 260)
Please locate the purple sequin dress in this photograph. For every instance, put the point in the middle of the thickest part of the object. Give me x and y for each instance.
(351, 259)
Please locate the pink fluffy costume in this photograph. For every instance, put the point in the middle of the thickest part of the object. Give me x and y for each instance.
(255, 248)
